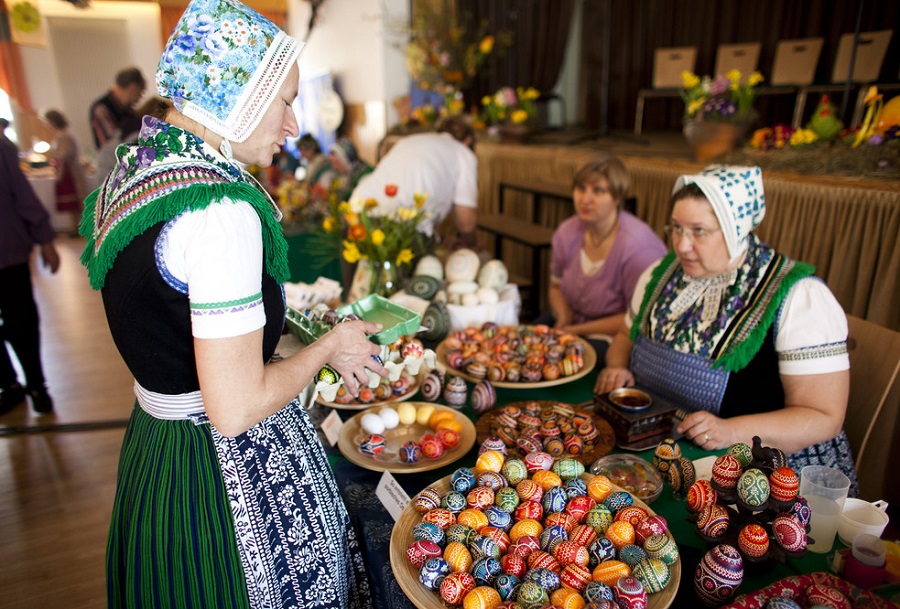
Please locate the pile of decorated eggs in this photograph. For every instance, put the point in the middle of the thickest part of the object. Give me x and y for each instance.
(386, 391)
(538, 533)
(556, 429)
(514, 354)
(442, 434)
(468, 282)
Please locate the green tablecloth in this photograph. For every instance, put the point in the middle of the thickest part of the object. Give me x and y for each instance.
(305, 262)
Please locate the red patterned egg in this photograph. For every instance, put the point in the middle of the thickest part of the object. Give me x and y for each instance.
(609, 572)
(529, 510)
(524, 545)
(528, 444)
(428, 499)
(578, 507)
(538, 460)
(447, 437)
(789, 533)
(631, 514)
(543, 560)
(753, 541)
(412, 347)
(630, 593)
(568, 552)
(431, 447)
(726, 471)
(817, 594)
(456, 586)
(784, 484)
(483, 397)
(513, 564)
(700, 495)
(420, 551)
(480, 497)
(713, 520)
(560, 519)
(718, 575)
(498, 536)
(573, 443)
(441, 517)
(651, 525)
(583, 535)
(529, 490)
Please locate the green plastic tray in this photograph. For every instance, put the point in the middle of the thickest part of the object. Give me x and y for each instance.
(299, 326)
(396, 320)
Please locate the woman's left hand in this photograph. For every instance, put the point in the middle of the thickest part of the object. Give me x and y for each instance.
(706, 430)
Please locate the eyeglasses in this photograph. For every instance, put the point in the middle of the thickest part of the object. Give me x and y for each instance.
(697, 233)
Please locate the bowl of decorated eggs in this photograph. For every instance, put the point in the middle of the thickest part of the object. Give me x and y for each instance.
(536, 533)
(516, 356)
(406, 437)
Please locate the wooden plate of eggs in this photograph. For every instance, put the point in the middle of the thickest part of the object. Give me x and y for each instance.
(404, 388)
(406, 438)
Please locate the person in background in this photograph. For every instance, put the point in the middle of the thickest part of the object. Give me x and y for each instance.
(4, 124)
(24, 223)
(745, 338)
(105, 159)
(349, 167)
(597, 255)
(109, 112)
(224, 497)
(441, 164)
(319, 172)
(71, 183)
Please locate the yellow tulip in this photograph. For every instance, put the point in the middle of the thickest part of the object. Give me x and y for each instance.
(420, 198)
(518, 117)
(405, 256)
(734, 77)
(351, 252)
(344, 207)
(329, 224)
(377, 237)
(487, 45)
(689, 80)
(406, 214)
(755, 79)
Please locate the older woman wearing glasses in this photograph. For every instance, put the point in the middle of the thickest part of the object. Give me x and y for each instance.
(745, 338)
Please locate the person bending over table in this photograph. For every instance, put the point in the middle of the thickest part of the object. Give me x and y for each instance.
(349, 168)
(744, 337)
(224, 496)
(598, 255)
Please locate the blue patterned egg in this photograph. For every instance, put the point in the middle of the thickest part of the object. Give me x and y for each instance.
(800, 510)
(483, 397)
(718, 575)
(455, 502)
(462, 480)
(428, 531)
(433, 573)
(514, 470)
(618, 500)
(507, 499)
(753, 488)
(601, 550)
(506, 584)
(653, 573)
(781, 602)
(554, 500)
(455, 392)
(410, 452)
(372, 445)
(491, 480)
(551, 537)
(498, 517)
(482, 546)
(432, 386)
(461, 533)
(575, 488)
(597, 591)
(632, 554)
(485, 570)
(493, 443)
(545, 578)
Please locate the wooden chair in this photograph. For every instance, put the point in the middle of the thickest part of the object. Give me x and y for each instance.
(872, 410)
(743, 57)
(794, 67)
(668, 64)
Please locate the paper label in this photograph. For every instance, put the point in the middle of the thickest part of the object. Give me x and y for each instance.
(331, 427)
(391, 495)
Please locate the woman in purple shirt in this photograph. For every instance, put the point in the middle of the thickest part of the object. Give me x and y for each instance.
(598, 254)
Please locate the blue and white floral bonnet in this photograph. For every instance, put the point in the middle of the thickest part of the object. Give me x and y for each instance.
(737, 198)
(224, 65)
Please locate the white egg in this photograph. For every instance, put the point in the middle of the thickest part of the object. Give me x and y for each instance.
(389, 417)
(470, 300)
(488, 296)
(493, 274)
(372, 423)
(462, 265)
(431, 266)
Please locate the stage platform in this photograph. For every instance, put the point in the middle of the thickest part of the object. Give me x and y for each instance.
(848, 227)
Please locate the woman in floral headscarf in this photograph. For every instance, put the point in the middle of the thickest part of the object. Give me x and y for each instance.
(744, 337)
(224, 495)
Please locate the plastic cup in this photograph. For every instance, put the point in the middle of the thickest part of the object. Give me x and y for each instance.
(862, 517)
(825, 489)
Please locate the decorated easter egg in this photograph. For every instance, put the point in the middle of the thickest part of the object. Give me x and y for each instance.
(661, 547)
(718, 575)
(784, 484)
(431, 447)
(455, 392)
(480, 497)
(609, 572)
(456, 586)
(666, 451)
(489, 460)
(741, 452)
(476, 369)
(529, 490)
(406, 413)
(493, 274)
(753, 541)
(538, 460)
(525, 545)
(573, 443)
(372, 445)
(421, 550)
(514, 564)
(552, 536)
(455, 502)
(400, 386)
(428, 499)
(448, 437)
(567, 596)
(526, 527)
(653, 573)
(429, 531)
(712, 521)
(546, 479)
(531, 594)
(631, 514)
(599, 518)
(371, 423)
(410, 452)
(493, 443)
(789, 533)
(568, 552)
(630, 593)
(599, 488)
(485, 547)
(457, 556)
(800, 510)
(554, 500)
(473, 517)
(726, 471)
(618, 500)
(483, 397)
(389, 417)
(528, 444)
(498, 535)
(498, 518)
(435, 321)
(601, 550)
(482, 597)
(432, 386)
(423, 286)
(327, 375)
(567, 469)
(546, 578)
(651, 525)
(505, 584)
(514, 470)
(430, 266)
(433, 572)
(598, 591)
(818, 594)
(461, 533)
(560, 519)
(753, 488)
(507, 499)
(578, 507)
(492, 480)
(681, 474)
(700, 495)
(440, 516)
(462, 480)
(620, 533)
(631, 554)
(462, 265)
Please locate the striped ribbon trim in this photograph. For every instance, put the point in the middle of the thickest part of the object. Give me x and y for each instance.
(184, 406)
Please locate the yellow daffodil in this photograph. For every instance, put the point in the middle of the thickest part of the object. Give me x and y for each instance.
(343, 207)
(695, 106)
(377, 237)
(487, 45)
(351, 252)
(518, 116)
(370, 204)
(755, 79)
(420, 198)
(734, 77)
(406, 214)
(405, 256)
(329, 224)
(689, 80)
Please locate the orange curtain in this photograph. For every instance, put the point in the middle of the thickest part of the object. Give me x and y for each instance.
(12, 80)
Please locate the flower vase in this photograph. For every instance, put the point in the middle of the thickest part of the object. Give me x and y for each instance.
(385, 279)
(512, 133)
(709, 140)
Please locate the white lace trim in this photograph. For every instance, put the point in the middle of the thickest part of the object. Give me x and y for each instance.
(711, 290)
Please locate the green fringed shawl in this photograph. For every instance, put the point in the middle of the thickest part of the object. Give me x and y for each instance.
(747, 330)
(159, 194)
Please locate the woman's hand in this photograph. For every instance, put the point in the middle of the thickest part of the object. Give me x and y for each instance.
(353, 352)
(613, 377)
(707, 431)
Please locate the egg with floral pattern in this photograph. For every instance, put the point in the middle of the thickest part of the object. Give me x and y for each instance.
(753, 488)
(662, 547)
(433, 572)
(800, 510)
(826, 596)
(666, 452)
(630, 593)
(420, 551)
(789, 533)
(505, 584)
(372, 445)
(410, 452)
(726, 471)
(741, 452)
(456, 586)
(718, 575)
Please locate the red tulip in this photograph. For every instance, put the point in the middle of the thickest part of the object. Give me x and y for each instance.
(390, 190)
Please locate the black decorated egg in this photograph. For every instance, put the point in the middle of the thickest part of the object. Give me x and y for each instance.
(433, 572)
(712, 521)
(328, 375)
(718, 575)
(618, 500)
(597, 591)
(753, 487)
(483, 397)
(436, 321)
(432, 386)
(800, 510)
(455, 392)
(681, 474)
(666, 452)
(602, 549)
(454, 502)
(485, 570)
(410, 452)
(789, 533)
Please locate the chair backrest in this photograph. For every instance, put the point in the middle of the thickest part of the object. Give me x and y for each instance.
(669, 63)
(741, 57)
(870, 54)
(796, 61)
(874, 401)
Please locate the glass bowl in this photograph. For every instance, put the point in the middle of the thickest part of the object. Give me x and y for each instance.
(633, 474)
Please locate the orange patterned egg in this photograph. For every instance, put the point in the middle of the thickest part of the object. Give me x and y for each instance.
(546, 479)
(472, 518)
(566, 598)
(428, 499)
(529, 510)
(753, 541)
(568, 552)
(784, 484)
(550, 372)
(620, 533)
(700, 495)
(529, 490)
(456, 586)
(490, 460)
(632, 514)
(599, 487)
(441, 517)
(480, 497)
(451, 424)
(526, 527)
(498, 535)
(482, 597)
(458, 556)
(543, 560)
(609, 572)
(438, 416)
(561, 519)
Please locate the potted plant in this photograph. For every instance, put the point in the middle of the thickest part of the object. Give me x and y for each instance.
(511, 112)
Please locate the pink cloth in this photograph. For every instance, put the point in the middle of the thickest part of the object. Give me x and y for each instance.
(608, 291)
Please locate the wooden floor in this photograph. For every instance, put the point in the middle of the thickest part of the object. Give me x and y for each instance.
(57, 472)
